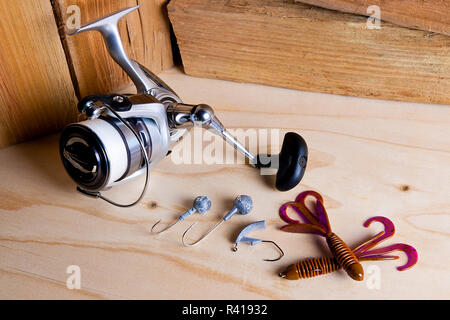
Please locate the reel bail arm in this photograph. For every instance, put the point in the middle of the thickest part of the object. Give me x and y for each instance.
(145, 81)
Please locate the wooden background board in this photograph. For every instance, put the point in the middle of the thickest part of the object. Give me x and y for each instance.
(145, 34)
(297, 46)
(428, 15)
(36, 92)
(367, 157)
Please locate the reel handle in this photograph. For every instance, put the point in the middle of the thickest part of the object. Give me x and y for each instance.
(291, 160)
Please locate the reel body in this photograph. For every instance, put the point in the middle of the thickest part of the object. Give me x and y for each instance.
(102, 151)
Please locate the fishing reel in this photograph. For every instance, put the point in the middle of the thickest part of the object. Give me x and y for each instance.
(124, 136)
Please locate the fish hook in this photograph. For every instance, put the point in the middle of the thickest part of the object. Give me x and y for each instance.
(201, 205)
(242, 237)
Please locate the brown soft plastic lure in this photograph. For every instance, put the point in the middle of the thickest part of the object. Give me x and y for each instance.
(318, 223)
(317, 266)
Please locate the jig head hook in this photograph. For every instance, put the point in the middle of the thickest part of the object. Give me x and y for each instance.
(242, 204)
(201, 205)
(242, 237)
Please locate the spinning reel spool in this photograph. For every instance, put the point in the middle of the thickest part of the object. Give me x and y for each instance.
(126, 135)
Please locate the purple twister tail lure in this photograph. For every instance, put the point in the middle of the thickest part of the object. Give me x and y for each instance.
(364, 251)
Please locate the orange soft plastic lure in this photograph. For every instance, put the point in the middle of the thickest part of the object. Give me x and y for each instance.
(318, 223)
(317, 266)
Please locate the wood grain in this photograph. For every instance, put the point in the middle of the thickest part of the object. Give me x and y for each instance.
(146, 37)
(428, 15)
(367, 157)
(36, 92)
(286, 44)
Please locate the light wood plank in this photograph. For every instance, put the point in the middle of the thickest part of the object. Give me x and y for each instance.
(362, 154)
(285, 44)
(428, 15)
(36, 92)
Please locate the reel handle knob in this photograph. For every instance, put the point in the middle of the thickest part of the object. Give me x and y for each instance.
(292, 161)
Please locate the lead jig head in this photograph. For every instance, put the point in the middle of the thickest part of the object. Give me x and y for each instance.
(242, 204)
(201, 205)
(242, 237)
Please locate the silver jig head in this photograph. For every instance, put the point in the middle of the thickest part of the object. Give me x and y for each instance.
(242, 204)
(201, 205)
(242, 237)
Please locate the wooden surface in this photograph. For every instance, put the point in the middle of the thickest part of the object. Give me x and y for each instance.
(297, 46)
(367, 157)
(428, 15)
(36, 92)
(145, 34)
